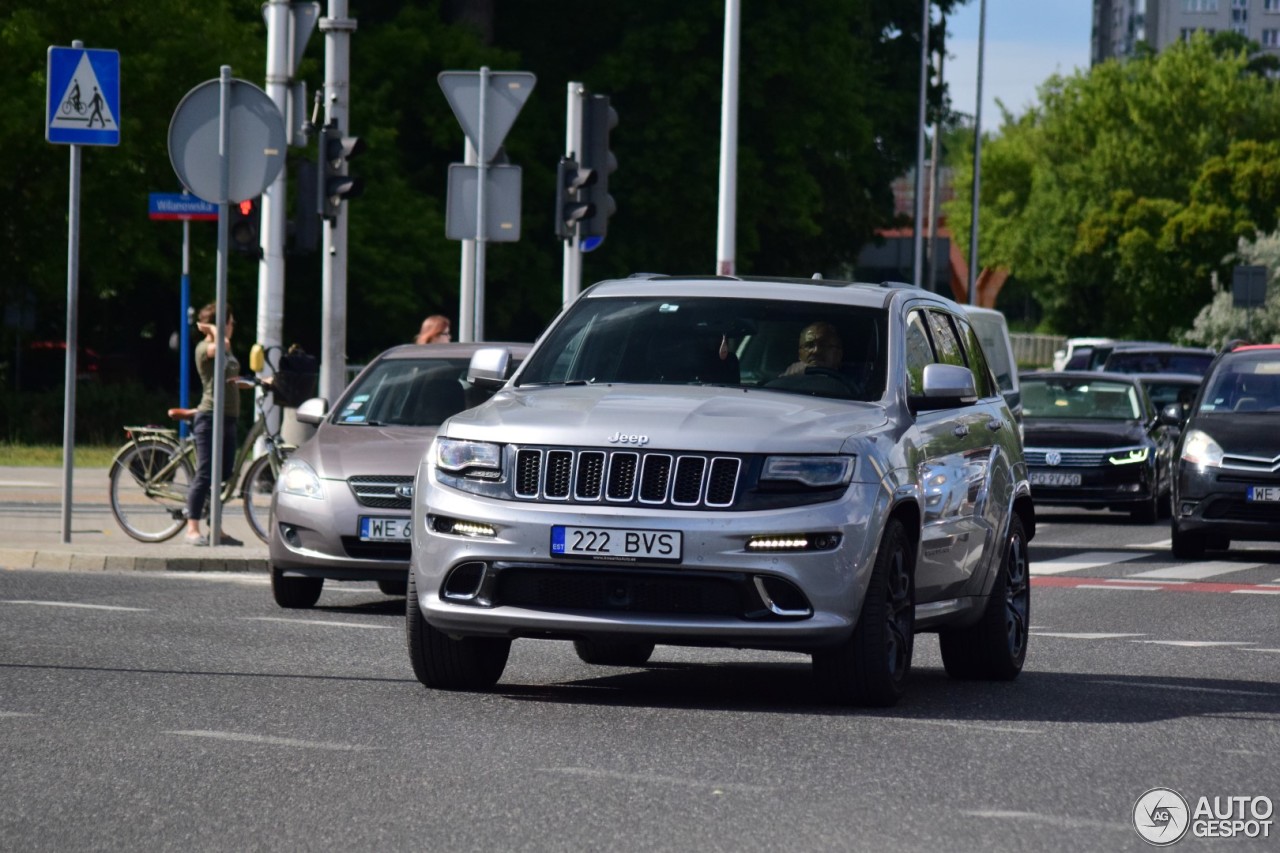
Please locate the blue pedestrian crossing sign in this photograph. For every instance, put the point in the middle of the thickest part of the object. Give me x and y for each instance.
(83, 97)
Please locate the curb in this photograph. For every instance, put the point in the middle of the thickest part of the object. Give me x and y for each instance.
(81, 561)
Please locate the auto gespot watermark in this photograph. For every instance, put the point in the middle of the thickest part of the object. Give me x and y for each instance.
(1162, 816)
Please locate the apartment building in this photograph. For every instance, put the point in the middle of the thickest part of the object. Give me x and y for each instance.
(1119, 25)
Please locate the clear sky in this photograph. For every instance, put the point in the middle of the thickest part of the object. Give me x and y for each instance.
(1026, 41)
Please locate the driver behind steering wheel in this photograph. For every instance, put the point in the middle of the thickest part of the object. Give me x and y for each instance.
(820, 346)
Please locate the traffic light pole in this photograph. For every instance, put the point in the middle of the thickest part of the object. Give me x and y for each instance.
(726, 242)
(467, 275)
(337, 29)
(573, 246)
(271, 268)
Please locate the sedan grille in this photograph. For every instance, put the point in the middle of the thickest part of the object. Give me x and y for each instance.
(380, 491)
(1260, 464)
(653, 478)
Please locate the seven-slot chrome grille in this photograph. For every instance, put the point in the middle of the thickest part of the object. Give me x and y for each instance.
(379, 491)
(679, 480)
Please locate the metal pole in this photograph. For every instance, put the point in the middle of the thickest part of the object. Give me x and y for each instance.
(467, 278)
(726, 241)
(917, 235)
(73, 335)
(220, 331)
(271, 268)
(337, 29)
(482, 177)
(933, 183)
(977, 161)
(572, 246)
(184, 327)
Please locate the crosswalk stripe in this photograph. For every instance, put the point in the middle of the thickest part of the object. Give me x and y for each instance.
(1196, 571)
(1087, 560)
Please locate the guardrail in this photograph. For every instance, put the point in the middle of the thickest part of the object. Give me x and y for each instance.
(1031, 350)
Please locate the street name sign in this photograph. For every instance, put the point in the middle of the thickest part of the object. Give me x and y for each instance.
(82, 96)
(180, 206)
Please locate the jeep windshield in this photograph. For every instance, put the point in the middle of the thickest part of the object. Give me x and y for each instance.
(818, 349)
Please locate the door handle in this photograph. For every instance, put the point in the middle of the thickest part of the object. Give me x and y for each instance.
(994, 424)
(961, 431)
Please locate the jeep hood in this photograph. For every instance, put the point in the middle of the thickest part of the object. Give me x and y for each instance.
(667, 417)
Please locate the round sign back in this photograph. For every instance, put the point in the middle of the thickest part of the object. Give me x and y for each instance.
(257, 134)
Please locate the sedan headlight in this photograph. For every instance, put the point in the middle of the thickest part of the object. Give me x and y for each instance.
(1128, 457)
(299, 478)
(471, 458)
(1200, 449)
(813, 471)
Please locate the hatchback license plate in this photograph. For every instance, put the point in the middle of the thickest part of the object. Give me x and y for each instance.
(1054, 478)
(374, 528)
(611, 543)
(1266, 494)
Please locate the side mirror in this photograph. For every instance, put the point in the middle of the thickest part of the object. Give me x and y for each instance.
(946, 386)
(1173, 414)
(489, 367)
(313, 411)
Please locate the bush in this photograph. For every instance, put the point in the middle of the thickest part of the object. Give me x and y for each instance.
(35, 417)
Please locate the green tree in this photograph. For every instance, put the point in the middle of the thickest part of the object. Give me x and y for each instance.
(1129, 186)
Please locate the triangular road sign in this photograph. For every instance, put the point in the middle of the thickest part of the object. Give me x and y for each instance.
(506, 94)
(84, 96)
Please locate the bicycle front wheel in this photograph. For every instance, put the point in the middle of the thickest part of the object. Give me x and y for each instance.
(149, 486)
(259, 483)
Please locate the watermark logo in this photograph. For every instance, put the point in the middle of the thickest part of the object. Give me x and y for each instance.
(1161, 816)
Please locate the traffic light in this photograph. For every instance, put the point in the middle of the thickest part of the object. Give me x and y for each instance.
(598, 118)
(245, 225)
(334, 184)
(304, 228)
(570, 209)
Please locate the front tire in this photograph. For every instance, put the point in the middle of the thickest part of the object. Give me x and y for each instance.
(613, 652)
(259, 483)
(396, 588)
(995, 648)
(1187, 544)
(1147, 512)
(439, 661)
(295, 593)
(149, 488)
(871, 667)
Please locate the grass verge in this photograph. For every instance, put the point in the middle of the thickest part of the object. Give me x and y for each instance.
(49, 455)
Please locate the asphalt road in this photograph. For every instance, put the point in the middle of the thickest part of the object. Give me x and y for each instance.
(157, 711)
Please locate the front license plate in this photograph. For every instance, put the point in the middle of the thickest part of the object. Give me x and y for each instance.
(1264, 493)
(375, 528)
(611, 543)
(1054, 478)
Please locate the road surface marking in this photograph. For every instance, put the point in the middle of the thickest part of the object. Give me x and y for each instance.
(1196, 571)
(84, 606)
(1196, 644)
(320, 622)
(274, 741)
(1087, 560)
(1258, 591)
(1119, 586)
(955, 724)
(1191, 688)
(1273, 651)
(1084, 636)
(14, 714)
(1054, 820)
(653, 778)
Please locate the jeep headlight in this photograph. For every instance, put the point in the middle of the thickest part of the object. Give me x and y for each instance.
(469, 458)
(299, 478)
(814, 471)
(1200, 449)
(1128, 457)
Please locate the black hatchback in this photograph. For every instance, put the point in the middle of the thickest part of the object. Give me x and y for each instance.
(1094, 440)
(1227, 470)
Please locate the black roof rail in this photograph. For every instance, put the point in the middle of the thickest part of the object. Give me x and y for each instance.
(896, 284)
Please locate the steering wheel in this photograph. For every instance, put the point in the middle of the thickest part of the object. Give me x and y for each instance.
(831, 373)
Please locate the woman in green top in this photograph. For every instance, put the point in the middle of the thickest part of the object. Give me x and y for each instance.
(202, 429)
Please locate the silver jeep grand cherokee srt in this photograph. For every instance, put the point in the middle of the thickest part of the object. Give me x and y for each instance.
(806, 465)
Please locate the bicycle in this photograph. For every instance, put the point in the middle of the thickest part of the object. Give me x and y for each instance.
(151, 475)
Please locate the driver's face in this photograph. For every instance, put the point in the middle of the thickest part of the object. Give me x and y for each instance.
(820, 347)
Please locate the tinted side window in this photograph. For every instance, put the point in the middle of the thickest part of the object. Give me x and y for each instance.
(945, 340)
(919, 352)
(982, 378)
